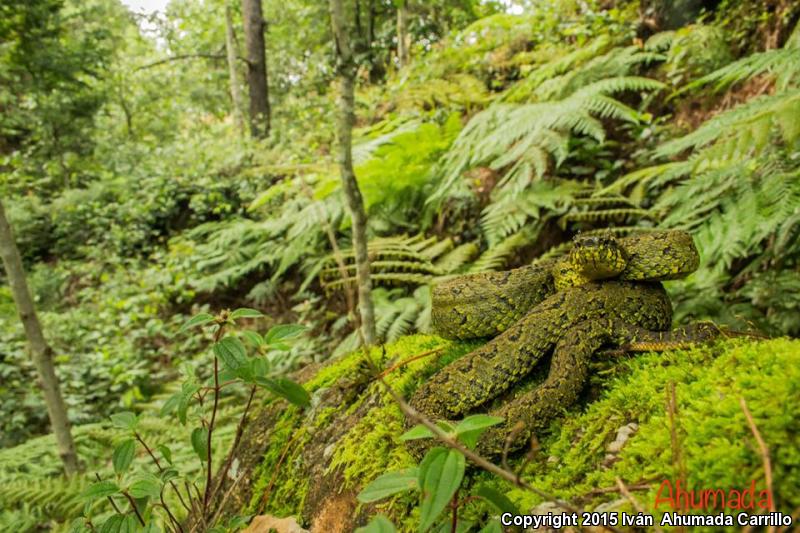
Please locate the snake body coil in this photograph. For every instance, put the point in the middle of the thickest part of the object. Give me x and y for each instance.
(566, 307)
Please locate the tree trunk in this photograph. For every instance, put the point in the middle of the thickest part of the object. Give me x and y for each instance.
(346, 67)
(256, 68)
(403, 38)
(230, 49)
(41, 352)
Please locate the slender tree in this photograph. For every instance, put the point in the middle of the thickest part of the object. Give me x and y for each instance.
(403, 37)
(254, 26)
(346, 70)
(41, 352)
(230, 53)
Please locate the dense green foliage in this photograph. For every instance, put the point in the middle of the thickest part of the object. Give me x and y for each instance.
(136, 202)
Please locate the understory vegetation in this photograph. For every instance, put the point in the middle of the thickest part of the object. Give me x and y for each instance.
(138, 201)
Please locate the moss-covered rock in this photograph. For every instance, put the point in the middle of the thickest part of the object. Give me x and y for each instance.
(316, 461)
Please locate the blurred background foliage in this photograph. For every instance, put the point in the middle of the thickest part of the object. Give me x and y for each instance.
(136, 201)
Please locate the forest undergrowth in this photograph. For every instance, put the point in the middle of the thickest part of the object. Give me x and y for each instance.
(137, 201)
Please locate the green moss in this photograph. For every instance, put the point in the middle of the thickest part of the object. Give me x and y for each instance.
(288, 491)
(379, 429)
(715, 441)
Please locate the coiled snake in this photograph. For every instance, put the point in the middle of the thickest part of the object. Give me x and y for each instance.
(607, 291)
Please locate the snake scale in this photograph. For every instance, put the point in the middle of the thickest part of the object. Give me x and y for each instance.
(607, 291)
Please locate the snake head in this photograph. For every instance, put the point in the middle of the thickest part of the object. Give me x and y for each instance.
(598, 256)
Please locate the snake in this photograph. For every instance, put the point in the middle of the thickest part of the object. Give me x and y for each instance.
(606, 291)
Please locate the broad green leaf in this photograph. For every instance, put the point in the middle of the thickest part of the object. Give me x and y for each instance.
(253, 338)
(129, 525)
(123, 456)
(171, 403)
(145, 488)
(168, 474)
(245, 312)
(113, 524)
(417, 432)
(474, 422)
(231, 353)
(471, 428)
(124, 420)
(166, 452)
(390, 483)
(183, 407)
(440, 475)
(497, 499)
(197, 320)
(287, 389)
(101, 489)
(200, 442)
(379, 524)
(283, 332)
(78, 525)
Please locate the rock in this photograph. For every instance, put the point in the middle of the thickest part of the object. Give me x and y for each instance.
(269, 523)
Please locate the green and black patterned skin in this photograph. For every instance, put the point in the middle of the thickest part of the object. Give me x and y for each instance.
(568, 308)
(485, 304)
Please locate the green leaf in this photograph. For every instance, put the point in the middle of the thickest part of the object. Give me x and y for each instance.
(200, 442)
(379, 524)
(253, 338)
(78, 525)
(283, 332)
(245, 312)
(471, 428)
(440, 475)
(390, 483)
(101, 489)
(123, 456)
(285, 388)
(417, 432)
(183, 407)
(171, 403)
(231, 352)
(497, 499)
(145, 488)
(124, 420)
(129, 525)
(168, 474)
(166, 452)
(475, 422)
(113, 524)
(197, 320)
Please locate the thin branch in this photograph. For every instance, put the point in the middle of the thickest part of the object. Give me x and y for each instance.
(172, 518)
(762, 446)
(476, 459)
(110, 499)
(275, 471)
(182, 57)
(209, 453)
(411, 359)
(239, 431)
(161, 469)
(133, 505)
(636, 505)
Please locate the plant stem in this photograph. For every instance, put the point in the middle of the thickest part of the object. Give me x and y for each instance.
(209, 453)
(133, 505)
(161, 469)
(110, 499)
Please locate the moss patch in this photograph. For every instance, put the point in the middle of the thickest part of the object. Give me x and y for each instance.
(716, 446)
(715, 443)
